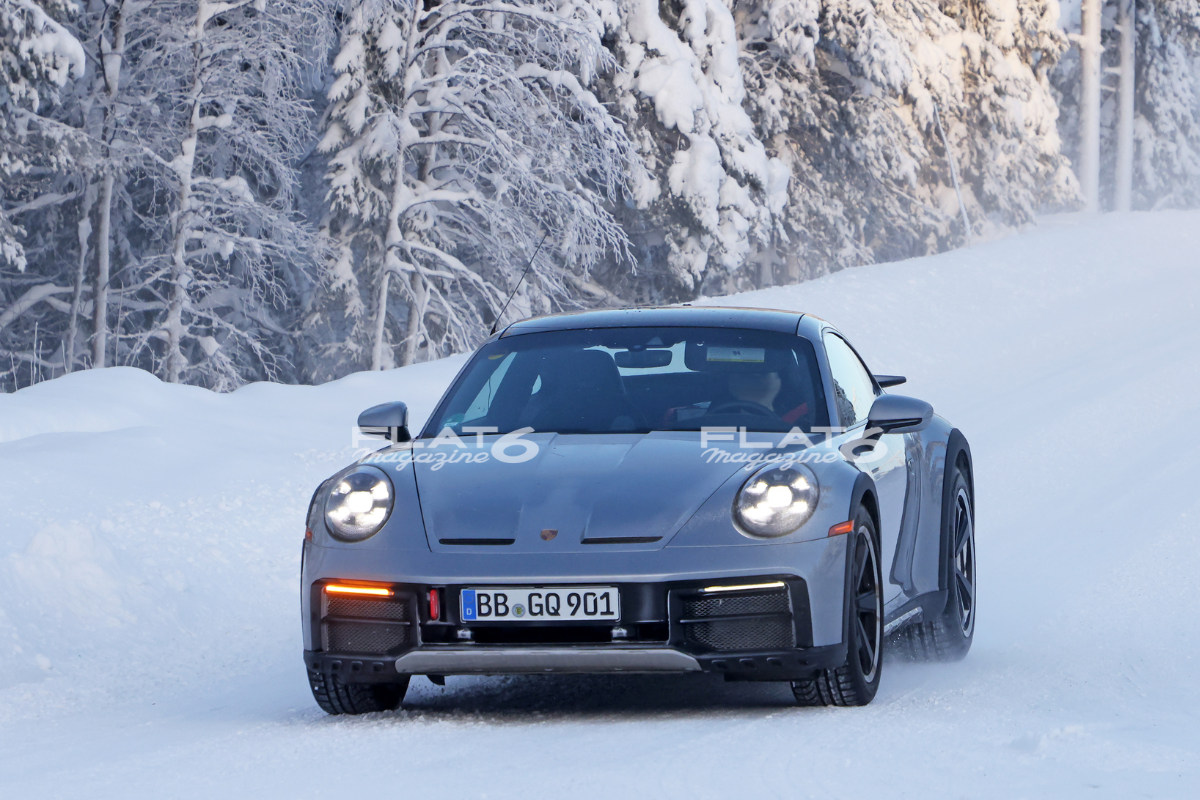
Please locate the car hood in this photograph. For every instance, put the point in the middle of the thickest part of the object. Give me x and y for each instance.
(598, 492)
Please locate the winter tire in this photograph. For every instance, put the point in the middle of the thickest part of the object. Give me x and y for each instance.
(855, 682)
(948, 636)
(335, 696)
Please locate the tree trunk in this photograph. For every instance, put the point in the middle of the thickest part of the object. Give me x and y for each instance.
(1123, 201)
(377, 337)
(103, 268)
(416, 319)
(393, 241)
(85, 234)
(395, 236)
(175, 362)
(766, 270)
(1089, 155)
(112, 61)
(181, 227)
(793, 267)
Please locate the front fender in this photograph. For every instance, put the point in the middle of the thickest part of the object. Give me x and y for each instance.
(712, 525)
(405, 527)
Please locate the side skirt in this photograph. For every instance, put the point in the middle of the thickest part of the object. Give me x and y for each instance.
(920, 608)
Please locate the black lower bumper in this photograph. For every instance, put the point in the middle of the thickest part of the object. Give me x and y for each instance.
(781, 665)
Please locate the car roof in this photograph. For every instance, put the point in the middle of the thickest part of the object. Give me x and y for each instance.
(766, 319)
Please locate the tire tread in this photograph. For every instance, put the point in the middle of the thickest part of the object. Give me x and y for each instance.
(933, 640)
(829, 687)
(335, 696)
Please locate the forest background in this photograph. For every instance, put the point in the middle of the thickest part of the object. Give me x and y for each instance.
(293, 190)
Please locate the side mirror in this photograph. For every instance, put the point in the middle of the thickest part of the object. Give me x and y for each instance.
(893, 413)
(389, 420)
(886, 381)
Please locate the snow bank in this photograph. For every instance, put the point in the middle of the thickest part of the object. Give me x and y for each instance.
(149, 636)
(141, 517)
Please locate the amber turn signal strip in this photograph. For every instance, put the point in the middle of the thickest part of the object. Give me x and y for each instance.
(371, 591)
(842, 527)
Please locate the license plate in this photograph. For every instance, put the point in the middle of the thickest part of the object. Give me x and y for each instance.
(534, 604)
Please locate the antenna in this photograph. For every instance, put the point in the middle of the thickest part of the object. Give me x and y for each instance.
(537, 250)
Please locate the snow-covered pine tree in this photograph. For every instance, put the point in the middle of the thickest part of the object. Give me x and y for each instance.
(37, 58)
(1004, 110)
(1167, 163)
(102, 106)
(83, 195)
(824, 83)
(709, 206)
(221, 132)
(845, 92)
(463, 133)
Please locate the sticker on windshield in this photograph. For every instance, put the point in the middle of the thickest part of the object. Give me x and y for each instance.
(745, 355)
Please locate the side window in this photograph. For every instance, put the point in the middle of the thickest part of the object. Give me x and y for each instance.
(852, 384)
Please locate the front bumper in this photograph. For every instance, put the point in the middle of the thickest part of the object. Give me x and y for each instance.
(763, 631)
(820, 564)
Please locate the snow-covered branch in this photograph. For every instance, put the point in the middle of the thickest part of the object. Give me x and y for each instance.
(460, 131)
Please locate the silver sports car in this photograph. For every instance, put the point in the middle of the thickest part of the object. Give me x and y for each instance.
(655, 490)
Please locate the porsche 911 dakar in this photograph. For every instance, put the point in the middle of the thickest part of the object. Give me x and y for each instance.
(664, 490)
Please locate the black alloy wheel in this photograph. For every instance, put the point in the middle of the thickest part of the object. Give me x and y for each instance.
(855, 682)
(963, 578)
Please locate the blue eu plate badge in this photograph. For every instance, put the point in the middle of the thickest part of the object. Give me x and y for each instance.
(468, 605)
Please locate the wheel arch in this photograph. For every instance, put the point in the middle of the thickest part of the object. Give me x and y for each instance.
(958, 456)
(960, 448)
(863, 495)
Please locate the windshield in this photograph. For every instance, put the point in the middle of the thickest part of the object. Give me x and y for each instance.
(636, 380)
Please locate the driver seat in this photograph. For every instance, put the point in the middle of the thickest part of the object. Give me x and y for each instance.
(581, 391)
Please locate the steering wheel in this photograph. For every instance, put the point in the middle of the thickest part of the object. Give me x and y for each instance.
(742, 406)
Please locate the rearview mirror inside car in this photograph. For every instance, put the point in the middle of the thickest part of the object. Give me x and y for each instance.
(388, 420)
(642, 359)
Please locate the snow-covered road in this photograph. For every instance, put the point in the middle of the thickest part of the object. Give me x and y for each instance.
(150, 536)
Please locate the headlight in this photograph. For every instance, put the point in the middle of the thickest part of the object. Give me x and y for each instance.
(776, 501)
(359, 504)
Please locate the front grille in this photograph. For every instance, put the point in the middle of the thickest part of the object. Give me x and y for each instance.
(769, 633)
(364, 637)
(720, 606)
(341, 606)
(745, 621)
(367, 626)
